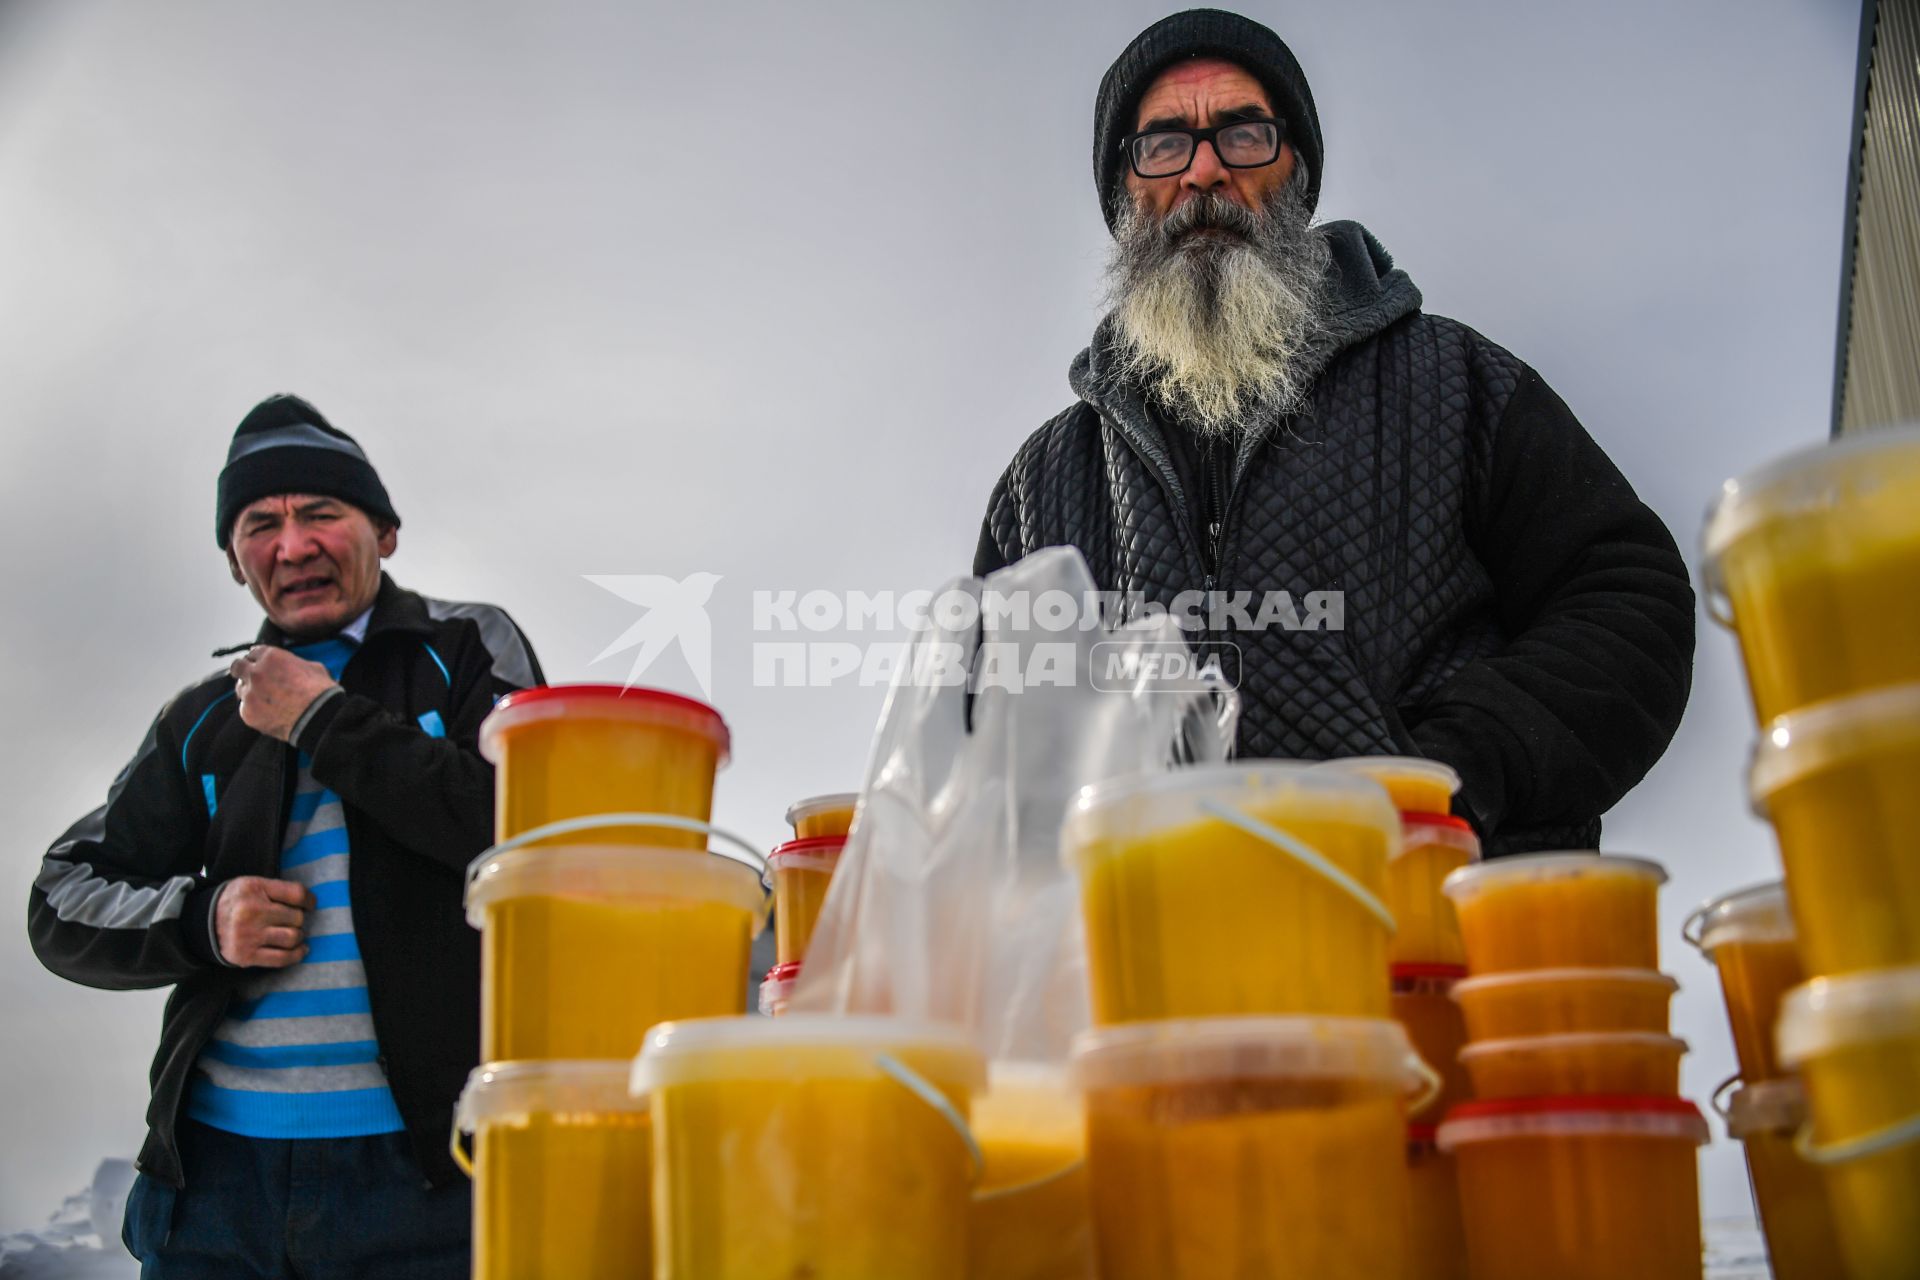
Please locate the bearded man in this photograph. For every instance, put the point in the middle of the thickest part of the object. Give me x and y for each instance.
(1266, 413)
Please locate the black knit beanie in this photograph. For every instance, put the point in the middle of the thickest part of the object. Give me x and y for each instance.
(1199, 33)
(285, 446)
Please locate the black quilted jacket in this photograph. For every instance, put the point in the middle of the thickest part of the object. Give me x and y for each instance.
(1511, 607)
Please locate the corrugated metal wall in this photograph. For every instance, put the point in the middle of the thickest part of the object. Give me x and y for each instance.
(1879, 364)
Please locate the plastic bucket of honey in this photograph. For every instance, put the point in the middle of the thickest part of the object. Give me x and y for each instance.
(828, 815)
(1031, 1219)
(1415, 785)
(1423, 1004)
(1541, 1002)
(1436, 1236)
(1582, 1062)
(802, 872)
(1593, 1188)
(1837, 782)
(1802, 1243)
(1271, 1147)
(1432, 847)
(776, 989)
(581, 750)
(1855, 1041)
(1812, 560)
(811, 1146)
(584, 948)
(1749, 936)
(562, 1168)
(1243, 889)
(1559, 910)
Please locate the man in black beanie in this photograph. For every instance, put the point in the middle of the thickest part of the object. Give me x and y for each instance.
(287, 850)
(1266, 414)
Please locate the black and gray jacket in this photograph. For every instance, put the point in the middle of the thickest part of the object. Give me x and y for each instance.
(122, 899)
(1510, 606)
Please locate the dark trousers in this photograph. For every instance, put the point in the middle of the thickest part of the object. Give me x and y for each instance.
(305, 1209)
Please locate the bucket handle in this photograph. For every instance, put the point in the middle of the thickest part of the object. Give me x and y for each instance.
(459, 1152)
(1031, 1184)
(604, 821)
(1894, 1135)
(1719, 1099)
(1691, 932)
(1431, 1084)
(918, 1085)
(1305, 854)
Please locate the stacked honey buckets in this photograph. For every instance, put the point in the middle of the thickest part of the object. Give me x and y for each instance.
(1426, 962)
(1246, 1087)
(801, 871)
(601, 914)
(1577, 1157)
(1813, 562)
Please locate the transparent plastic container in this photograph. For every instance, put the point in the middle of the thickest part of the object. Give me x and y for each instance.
(802, 872)
(828, 815)
(1838, 783)
(1432, 847)
(1436, 1235)
(1579, 1188)
(1544, 1002)
(584, 948)
(829, 1147)
(1855, 1040)
(1246, 889)
(562, 1169)
(1415, 785)
(1749, 936)
(1423, 1004)
(1559, 910)
(579, 750)
(1031, 1217)
(1271, 1147)
(1583, 1062)
(1812, 560)
(1802, 1242)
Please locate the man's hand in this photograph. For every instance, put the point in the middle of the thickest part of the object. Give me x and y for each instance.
(261, 923)
(275, 686)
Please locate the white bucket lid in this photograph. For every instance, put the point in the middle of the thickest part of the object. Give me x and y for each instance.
(498, 1091)
(1570, 1041)
(1559, 977)
(1508, 1119)
(1808, 482)
(1853, 1009)
(1541, 867)
(1205, 1050)
(1772, 1106)
(1145, 803)
(803, 1046)
(1828, 734)
(1381, 768)
(1755, 914)
(800, 810)
(615, 873)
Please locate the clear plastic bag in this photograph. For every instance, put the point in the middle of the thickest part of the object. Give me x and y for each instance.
(951, 902)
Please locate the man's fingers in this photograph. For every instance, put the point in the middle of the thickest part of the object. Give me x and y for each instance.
(290, 892)
(282, 938)
(277, 958)
(277, 913)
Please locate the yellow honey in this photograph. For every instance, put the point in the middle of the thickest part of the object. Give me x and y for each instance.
(1559, 910)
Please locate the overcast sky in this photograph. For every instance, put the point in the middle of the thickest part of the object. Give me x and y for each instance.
(773, 291)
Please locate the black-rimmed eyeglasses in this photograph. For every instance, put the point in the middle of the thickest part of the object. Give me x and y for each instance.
(1243, 144)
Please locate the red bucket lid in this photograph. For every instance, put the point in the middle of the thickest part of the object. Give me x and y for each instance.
(812, 846)
(784, 972)
(1425, 970)
(1413, 818)
(1421, 1133)
(695, 714)
(1573, 1116)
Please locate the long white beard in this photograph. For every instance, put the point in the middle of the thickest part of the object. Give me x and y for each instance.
(1214, 325)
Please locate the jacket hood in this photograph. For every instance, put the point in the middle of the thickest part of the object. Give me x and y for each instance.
(1365, 294)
